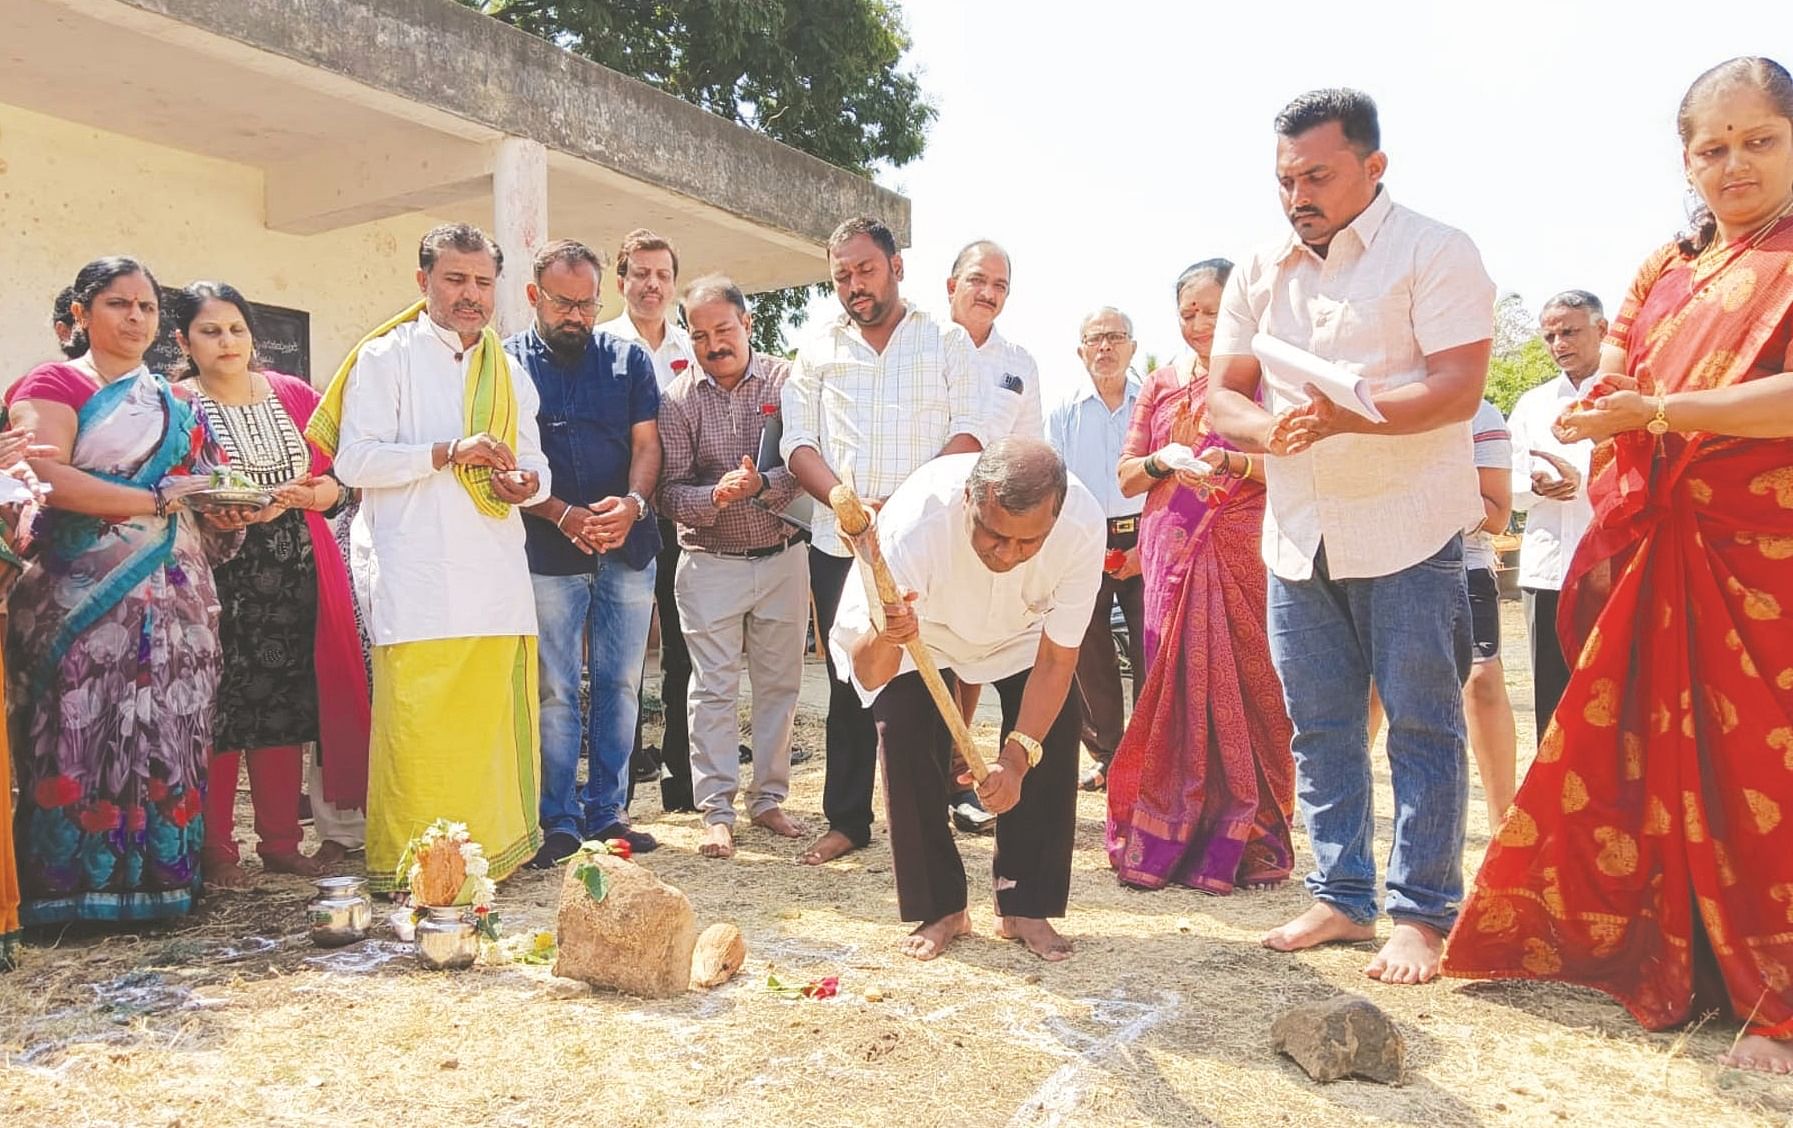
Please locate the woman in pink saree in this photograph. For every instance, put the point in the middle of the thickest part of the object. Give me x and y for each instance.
(1203, 784)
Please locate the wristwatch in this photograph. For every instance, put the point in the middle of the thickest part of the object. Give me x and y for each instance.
(1030, 746)
(640, 503)
(1658, 425)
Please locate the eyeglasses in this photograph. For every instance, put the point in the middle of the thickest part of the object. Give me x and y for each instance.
(1113, 340)
(588, 307)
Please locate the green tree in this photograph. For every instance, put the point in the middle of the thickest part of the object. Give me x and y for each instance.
(823, 76)
(1521, 362)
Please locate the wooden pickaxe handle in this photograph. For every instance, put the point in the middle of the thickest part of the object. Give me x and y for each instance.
(854, 519)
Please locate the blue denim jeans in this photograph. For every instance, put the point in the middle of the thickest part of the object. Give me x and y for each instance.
(608, 612)
(1410, 632)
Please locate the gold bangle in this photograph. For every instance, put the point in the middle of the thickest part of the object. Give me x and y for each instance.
(1030, 746)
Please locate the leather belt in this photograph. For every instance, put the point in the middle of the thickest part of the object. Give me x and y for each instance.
(762, 553)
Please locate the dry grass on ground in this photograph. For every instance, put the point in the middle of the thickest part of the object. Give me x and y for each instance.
(231, 1018)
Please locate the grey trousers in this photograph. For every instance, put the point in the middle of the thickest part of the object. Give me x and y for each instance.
(740, 615)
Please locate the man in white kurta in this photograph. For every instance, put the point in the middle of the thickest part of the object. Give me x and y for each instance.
(445, 586)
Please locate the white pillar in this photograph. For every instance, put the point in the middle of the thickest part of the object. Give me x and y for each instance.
(519, 223)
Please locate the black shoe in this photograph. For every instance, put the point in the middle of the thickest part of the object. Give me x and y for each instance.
(799, 754)
(640, 841)
(1094, 778)
(558, 848)
(745, 753)
(645, 767)
(970, 816)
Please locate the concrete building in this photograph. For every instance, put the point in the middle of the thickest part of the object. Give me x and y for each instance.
(299, 148)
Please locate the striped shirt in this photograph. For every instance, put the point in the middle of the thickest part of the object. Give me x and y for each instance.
(704, 433)
(1493, 451)
(877, 416)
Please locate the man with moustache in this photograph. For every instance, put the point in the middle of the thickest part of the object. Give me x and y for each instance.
(1364, 529)
(591, 550)
(743, 579)
(996, 557)
(436, 426)
(876, 393)
(1548, 477)
(976, 291)
(647, 276)
(1088, 429)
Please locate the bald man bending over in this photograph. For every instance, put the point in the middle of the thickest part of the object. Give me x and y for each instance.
(998, 558)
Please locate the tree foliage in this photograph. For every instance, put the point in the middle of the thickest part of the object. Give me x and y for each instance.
(1521, 361)
(823, 76)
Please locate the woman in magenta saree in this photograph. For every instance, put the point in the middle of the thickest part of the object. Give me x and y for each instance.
(1202, 786)
(1650, 852)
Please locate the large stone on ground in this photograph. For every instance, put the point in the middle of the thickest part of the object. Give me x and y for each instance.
(637, 940)
(721, 951)
(1344, 1036)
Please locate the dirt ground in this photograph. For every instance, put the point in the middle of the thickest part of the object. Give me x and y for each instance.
(232, 1018)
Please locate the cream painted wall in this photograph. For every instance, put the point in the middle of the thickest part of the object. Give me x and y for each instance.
(69, 194)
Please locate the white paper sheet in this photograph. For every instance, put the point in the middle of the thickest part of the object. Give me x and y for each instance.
(1179, 457)
(1289, 369)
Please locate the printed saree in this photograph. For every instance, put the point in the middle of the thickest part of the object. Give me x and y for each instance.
(1201, 789)
(1648, 850)
(112, 663)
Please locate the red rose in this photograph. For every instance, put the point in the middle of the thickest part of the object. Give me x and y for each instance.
(1114, 561)
(136, 818)
(56, 791)
(158, 789)
(679, 365)
(619, 847)
(481, 910)
(768, 409)
(99, 816)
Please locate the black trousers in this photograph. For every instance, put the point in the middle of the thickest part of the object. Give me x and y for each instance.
(675, 679)
(1032, 870)
(852, 738)
(1550, 671)
(1098, 684)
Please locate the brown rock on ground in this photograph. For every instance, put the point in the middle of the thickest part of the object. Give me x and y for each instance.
(1344, 1036)
(637, 940)
(721, 951)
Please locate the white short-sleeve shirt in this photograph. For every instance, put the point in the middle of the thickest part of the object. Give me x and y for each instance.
(1394, 288)
(982, 625)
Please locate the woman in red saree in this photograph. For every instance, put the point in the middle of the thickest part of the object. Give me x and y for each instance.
(1650, 852)
(1202, 786)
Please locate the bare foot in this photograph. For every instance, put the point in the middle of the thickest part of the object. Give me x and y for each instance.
(775, 820)
(1764, 1055)
(227, 875)
(330, 855)
(1412, 955)
(1040, 937)
(830, 846)
(719, 841)
(932, 938)
(295, 863)
(1321, 924)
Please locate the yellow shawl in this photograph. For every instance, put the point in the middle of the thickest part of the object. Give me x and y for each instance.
(489, 406)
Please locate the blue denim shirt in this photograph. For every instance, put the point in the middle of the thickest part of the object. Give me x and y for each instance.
(586, 414)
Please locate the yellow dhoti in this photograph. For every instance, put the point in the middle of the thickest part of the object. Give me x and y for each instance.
(455, 736)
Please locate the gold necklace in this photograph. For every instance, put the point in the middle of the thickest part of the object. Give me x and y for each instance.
(1755, 237)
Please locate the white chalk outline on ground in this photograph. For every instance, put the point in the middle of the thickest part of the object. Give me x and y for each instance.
(1059, 1095)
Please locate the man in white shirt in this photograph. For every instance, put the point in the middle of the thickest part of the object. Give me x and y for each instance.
(647, 277)
(439, 564)
(1088, 429)
(997, 558)
(977, 290)
(876, 393)
(1364, 529)
(1548, 485)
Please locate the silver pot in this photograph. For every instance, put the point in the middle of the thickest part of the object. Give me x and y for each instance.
(446, 940)
(340, 913)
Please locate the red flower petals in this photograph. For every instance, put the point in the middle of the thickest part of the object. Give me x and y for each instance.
(56, 791)
(99, 817)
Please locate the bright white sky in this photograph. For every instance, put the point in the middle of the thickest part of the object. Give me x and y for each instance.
(1109, 145)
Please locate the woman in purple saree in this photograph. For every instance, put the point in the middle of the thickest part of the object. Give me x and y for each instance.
(1202, 787)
